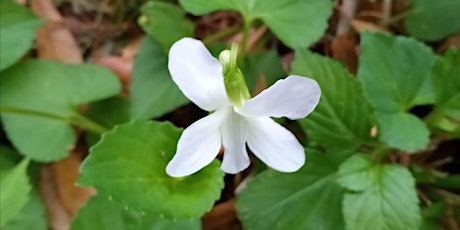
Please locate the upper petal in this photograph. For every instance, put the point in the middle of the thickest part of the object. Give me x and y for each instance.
(198, 146)
(198, 74)
(294, 97)
(234, 133)
(274, 145)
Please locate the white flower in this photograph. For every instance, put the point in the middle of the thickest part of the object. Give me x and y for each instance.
(199, 76)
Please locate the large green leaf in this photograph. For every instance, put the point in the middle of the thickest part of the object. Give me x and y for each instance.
(306, 199)
(18, 26)
(298, 23)
(101, 213)
(14, 192)
(39, 99)
(342, 119)
(431, 21)
(31, 216)
(395, 74)
(129, 164)
(381, 196)
(446, 82)
(165, 22)
(153, 92)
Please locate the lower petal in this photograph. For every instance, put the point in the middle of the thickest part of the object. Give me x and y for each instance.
(198, 146)
(234, 133)
(275, 145)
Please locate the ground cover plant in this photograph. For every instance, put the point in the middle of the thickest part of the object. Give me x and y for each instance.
(230, 114)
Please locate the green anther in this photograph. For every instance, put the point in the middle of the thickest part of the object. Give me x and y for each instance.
(235, 85)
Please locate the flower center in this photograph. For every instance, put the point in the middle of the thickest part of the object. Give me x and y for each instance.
(235, 85)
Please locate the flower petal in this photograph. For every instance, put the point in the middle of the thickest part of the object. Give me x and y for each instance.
(198, 146)
(198, 74)
(234, 133)
(294, 97)
(274, 145)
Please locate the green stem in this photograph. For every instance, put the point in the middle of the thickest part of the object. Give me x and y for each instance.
(75, 119)
(244, 41)
(223, 33)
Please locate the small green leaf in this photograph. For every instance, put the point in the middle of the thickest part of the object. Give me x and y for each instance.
(395, 74)
(129, 164)
(18, 26)
(306, 199)
(165, 22)
(446, 82)
(31, 216)
(8, 159)
(101, 213)
(39, 99)
(298, 23)
(342, 119)
(430, 21)
(381, 196)
(14, 192)
(153, 92)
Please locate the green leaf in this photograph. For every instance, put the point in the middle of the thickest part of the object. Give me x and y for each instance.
(381, 196)
(14, 192)
(266, 64)
(298, 23)
(306, 199)
(342, 119)
(430, 21)
(18, 26)
(8, 159)
(153, 92)
(101, 213)
(165, 22)
(446, 82)
(39, 99)
(395, 75)
(31, 216)
(129, 164)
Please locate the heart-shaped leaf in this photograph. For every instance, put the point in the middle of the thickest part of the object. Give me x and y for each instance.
(129, 164)
(18, 26)
(101, 213)
(298, 23)
(14, 191)
(395, 75)
(433, 21)
(165, 22)
(39, 102)
(342, 119)
(153, 92)
(381, 196)
(306, 199)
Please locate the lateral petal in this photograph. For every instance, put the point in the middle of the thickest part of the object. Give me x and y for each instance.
(274, 145)
(198, 74)
(198, 146)
(234, 133)
(293, 97)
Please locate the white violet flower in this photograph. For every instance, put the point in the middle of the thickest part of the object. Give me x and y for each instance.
(237, 119)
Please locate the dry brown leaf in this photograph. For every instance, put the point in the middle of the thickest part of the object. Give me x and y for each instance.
(452, 41)
(361, 25)
(58, 218)
(65, 175)
(122, 67)
(222, 216)
(343, 48)
(54, 40)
